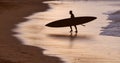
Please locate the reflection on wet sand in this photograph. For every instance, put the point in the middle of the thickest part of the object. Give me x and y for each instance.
(71, 37)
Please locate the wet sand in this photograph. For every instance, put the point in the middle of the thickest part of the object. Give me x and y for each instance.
(87, 46)
(11, 49)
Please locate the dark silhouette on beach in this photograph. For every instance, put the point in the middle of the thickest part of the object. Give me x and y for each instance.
(72, 21)
(72, 17)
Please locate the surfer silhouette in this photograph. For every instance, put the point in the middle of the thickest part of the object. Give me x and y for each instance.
(72, 21)
(72, 17)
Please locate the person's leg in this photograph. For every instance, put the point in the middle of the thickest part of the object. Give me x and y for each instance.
(71, 29)
(76, 28)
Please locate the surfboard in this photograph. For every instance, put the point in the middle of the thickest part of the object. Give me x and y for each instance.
(71, 22)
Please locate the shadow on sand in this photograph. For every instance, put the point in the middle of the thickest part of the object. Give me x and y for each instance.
(71, 37)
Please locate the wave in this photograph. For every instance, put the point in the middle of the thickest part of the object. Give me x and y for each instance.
(113, 29)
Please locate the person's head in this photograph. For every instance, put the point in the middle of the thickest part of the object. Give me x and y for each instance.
(70, 12)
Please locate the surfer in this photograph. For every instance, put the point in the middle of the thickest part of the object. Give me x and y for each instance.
(72, 17)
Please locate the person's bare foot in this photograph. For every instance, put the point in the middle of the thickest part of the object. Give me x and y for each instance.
(76, 31)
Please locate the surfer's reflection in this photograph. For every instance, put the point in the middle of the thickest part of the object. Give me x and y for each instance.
(72, 17)
(72, 38)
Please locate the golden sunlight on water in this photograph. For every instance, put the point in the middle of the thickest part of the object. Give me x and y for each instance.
(87, 46)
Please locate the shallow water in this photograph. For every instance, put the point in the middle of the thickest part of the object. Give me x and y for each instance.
(87, 46)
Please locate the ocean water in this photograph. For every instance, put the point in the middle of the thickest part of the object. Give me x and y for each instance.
(86, 46)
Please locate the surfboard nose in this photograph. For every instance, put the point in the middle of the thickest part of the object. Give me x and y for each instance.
(94, 17)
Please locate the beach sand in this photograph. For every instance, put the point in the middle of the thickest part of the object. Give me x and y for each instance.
(11, 49)
(86, 46)
(25, 39)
